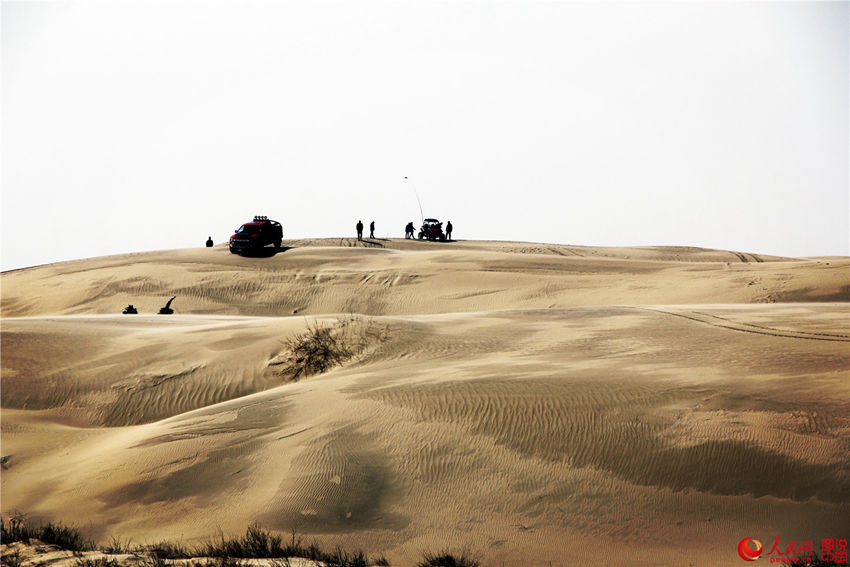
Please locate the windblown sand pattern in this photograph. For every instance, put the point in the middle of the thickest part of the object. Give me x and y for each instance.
(536, 404)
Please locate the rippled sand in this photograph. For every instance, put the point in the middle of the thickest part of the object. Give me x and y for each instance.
(535, 404)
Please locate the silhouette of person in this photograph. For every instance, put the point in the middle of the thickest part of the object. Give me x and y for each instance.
(359, 230)
(408, 230)
(449, 230)
(209, 242)
(372, 229)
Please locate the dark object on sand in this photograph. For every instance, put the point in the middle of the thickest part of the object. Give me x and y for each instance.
(130, 310)
(254, 236)
(209, 242)
(167, 310)
(432, 229)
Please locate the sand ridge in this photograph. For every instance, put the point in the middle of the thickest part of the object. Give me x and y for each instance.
(396, 280)
(537, 404)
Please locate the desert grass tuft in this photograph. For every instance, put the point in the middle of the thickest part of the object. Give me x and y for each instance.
(254, 544)
(168, 550)
(322, 347)
(98, 562)
(66, 537)
(11, 559)
(117, 547)
(152, 560)
(447, 559)
(18, 528)
(258, 543)
(341, 558)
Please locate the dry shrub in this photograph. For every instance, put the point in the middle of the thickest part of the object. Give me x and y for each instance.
(322, 347)
(18, 528)
(446, 559)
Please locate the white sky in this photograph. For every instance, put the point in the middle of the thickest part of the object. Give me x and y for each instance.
(146, 125)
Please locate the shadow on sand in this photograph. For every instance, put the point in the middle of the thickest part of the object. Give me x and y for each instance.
(265, 252)
(365, 242)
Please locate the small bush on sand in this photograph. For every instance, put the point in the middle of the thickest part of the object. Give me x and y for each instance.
(446, 559)
(257, 543)
(340, 558)
(152, 560)
(168, 550)
(99, 562)
(117, 547)
(12, 559)
(66, 537)
(18, 528)
(322, 347)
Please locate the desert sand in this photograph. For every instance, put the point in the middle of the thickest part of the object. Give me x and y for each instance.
(534, 404)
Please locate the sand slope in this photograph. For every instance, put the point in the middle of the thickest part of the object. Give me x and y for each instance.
(536, 404)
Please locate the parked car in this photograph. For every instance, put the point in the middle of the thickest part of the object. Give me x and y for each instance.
(255, 235)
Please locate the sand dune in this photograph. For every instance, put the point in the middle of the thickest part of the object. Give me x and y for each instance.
(536, 404)
(401, 277)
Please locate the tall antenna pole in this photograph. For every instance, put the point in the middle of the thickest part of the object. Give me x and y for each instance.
(422, 216)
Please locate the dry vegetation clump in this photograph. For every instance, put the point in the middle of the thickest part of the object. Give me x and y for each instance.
(446, 559)
(116, 546)
(322, 347)
(12, 559)
(97, 562)
(18, 528)
(168, 550)
(258, 543)
(216, 562)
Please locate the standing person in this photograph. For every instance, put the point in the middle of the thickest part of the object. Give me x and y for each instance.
(372, 229)
(449, 230)
(408, 230)
(209, 242)
(359, 230)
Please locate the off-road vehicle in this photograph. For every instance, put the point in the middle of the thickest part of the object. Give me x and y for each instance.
(432, 229)
(255, 235)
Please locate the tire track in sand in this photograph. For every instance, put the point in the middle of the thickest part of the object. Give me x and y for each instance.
(723, 323)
